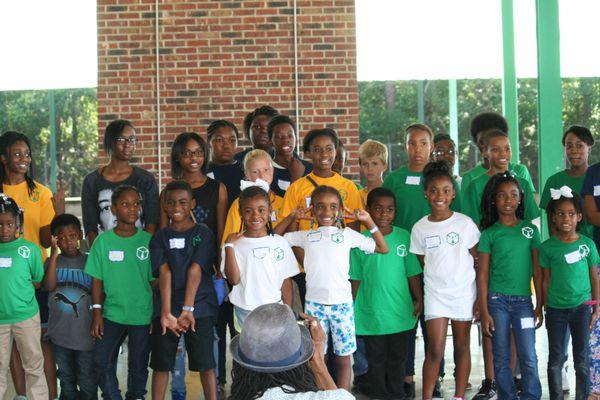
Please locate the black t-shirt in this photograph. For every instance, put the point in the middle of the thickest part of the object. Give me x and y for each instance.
(207, 198)
(180, 250)
(282, 177)
(230, 176)
(96, 196)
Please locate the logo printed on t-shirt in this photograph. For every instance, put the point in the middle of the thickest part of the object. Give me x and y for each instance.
(401, 250)
(584, 250)
(24, 251)
(343, 194)
(35, 196)
(196, 239)
(142, 253)
(527, 232)
(452, 238)
(337, 238)
(278, 253)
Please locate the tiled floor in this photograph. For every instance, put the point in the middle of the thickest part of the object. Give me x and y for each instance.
(195, 390)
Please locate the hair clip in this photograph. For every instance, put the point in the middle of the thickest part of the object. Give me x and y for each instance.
(564, 191)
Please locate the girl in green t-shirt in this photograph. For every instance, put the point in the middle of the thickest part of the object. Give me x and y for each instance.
(569, 263)
(21, 272)
(508, 254)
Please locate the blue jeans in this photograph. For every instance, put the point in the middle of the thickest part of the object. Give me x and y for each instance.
(361, 365)
(76, 374)
(106, 353)
(577, 319)
(516, 312)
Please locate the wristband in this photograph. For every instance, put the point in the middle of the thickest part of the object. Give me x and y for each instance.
(226, 245)
(188, 308)
(96, 307)
(374, 229)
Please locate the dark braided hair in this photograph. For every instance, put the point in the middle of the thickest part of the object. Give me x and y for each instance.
(319, 190)
(249, 193)
(248, 385)
(553, 204)
(8, 205)
(118, 192)
(220, 123)
(263, 110)
(489, 212)
(437, 169)
(6, 141)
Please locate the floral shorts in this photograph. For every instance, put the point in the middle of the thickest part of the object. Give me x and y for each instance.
(339, 320)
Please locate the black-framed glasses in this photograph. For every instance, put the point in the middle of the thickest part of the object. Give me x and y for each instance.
(449, 152)
(126, 140)
(190, 154)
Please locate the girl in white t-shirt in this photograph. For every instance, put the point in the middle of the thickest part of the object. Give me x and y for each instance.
(327, 266)
(257, 262)
(445, 243)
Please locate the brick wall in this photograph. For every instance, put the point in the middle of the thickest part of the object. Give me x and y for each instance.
(222, 59)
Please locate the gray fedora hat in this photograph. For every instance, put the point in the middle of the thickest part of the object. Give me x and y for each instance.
(271, 340)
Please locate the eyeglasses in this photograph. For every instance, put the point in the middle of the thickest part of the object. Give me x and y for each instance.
(449, 152)
(190, 154)
(126, 140)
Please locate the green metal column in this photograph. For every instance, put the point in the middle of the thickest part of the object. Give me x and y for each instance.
(53, 163)
(551, 154)
(421, 101)
(453, 117)
(510, 105)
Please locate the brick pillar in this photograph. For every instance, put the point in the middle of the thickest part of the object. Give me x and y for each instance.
(222, 59)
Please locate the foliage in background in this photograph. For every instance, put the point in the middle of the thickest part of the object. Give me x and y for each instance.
(76, 131)
(386, 108)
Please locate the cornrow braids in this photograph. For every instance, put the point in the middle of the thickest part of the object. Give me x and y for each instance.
(249, 385)
(220, 123)
(330, 190)
(489, 211)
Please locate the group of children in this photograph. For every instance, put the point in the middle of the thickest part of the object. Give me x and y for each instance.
(370, 263)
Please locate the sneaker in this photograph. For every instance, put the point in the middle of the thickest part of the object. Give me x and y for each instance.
(518, 386)
(469, 386)
(487, 390)
(438, 391)
(409, 390)
(565, 381)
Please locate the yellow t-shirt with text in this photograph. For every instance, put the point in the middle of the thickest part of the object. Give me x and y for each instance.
(38, 209)
(299, 192)
(233, 223)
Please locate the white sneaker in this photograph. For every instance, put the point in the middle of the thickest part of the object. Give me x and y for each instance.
(565, 380)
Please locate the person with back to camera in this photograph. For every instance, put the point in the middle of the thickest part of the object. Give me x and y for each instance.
(289, 366)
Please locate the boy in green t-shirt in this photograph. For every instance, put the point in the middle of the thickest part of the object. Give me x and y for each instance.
(119, 262)
(21, 272)
(388, 300)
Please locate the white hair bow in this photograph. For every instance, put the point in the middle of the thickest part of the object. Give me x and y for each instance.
(564, 191)
(259, 182)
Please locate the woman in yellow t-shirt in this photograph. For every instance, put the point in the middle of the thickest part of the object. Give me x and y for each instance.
(258, 168)
(36, 201)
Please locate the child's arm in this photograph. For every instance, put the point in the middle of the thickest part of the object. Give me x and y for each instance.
(167, 320)
(97, 330)
(595, 294)
(49, 282)
(483, 274)
(538, 279)
(221, 212)
(290, 223)
(355, 285)
(475, 255)
(381, 245)
(232, 270)
(194, 277)
(414, 283)
(287, 292)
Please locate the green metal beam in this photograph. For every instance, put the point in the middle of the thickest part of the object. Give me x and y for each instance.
(550, 128)
(453, 117)
(510, 105)
(421, 101)
(53, 163)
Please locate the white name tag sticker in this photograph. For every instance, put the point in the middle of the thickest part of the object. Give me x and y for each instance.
(116, 255)
(177, 243)
(211, 175)
(527, 323)
(315, 236)
(260, 252)
(273, 216)
(413, 180)
(431, 242)
(307, 201)
(283, 185)
(597, 190)
(573, 257)
(5, 262)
